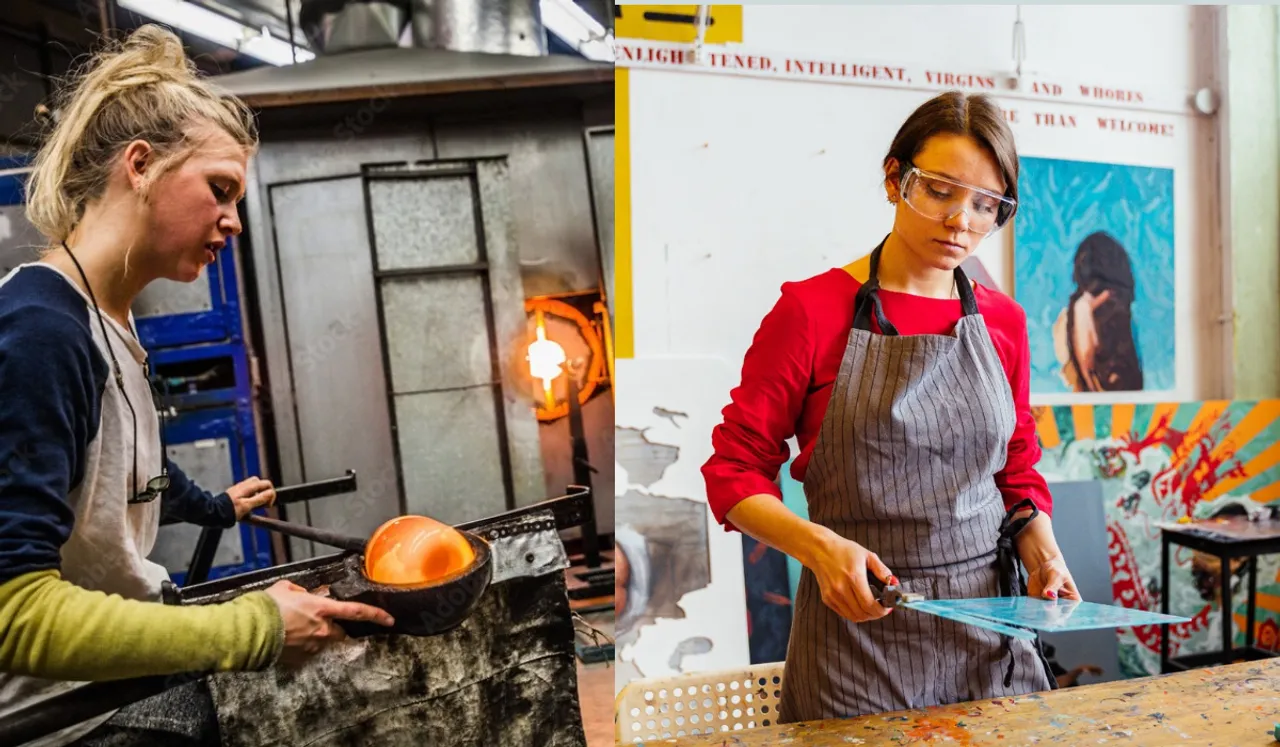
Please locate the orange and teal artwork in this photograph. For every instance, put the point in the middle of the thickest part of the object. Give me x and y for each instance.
(1161, 463)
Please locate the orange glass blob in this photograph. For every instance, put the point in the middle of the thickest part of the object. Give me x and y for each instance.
(412, 550)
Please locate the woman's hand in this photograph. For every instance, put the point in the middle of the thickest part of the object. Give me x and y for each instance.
(1047, 574)
(250, 494)
(309, 620)
(1051, 580)
(841, 566)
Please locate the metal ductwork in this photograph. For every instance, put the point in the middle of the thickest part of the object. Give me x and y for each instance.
(512, 27)
(334, 26)
(493, 26)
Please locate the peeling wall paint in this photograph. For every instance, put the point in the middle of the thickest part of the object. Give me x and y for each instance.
(690, 614)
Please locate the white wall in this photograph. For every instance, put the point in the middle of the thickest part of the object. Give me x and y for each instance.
(740, 183)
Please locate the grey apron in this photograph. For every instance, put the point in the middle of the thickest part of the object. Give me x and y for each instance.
(904, 465)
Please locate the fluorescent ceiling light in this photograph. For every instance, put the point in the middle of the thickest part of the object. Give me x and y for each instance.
(578, 29)
(206, 24)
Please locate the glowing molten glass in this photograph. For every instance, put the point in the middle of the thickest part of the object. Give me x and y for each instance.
(414, 550)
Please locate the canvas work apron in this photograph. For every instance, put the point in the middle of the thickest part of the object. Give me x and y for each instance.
(904, 465)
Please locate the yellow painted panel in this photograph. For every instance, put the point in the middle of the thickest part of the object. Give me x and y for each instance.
(624, 343)
(676, 23)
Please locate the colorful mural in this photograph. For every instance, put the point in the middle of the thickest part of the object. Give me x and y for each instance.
(1161, 463)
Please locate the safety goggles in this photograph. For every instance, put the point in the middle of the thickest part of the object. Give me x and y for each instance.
(939, 198)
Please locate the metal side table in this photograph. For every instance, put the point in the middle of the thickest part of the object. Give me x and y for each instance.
(1226, 539)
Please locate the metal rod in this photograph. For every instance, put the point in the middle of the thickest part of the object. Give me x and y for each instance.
(1227, 626)
(1253, 601)
(319, 489)
(582, 474)
(323, 536)
(293, 45)
(210, 537)
(1164, 601)
(202, 559)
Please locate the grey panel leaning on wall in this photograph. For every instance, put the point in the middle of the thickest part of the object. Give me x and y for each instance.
(502, 250)
(547, 169)
(1080, 525)
(164, 297)
(20, 242)
(208, 464)
(334, 353)
(600, 163)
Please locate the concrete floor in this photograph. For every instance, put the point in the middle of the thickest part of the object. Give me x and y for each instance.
(595, 692)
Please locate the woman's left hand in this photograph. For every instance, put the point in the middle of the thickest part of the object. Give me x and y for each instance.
(1051, 580)
(250, 494)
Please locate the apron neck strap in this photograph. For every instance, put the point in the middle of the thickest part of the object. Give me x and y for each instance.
(868, 299)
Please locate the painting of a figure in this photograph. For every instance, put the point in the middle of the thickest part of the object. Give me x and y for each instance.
(1094, 269)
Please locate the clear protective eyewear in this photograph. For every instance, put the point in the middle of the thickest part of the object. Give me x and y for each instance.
(939, 198)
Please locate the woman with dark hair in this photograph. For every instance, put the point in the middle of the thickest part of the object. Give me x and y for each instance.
(909, 397)
(1093, 336)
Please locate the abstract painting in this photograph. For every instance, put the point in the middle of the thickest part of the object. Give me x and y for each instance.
(1161, 463)
(1094, 270)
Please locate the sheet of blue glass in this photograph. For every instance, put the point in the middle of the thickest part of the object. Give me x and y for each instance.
(1049, 615)
(960, 617)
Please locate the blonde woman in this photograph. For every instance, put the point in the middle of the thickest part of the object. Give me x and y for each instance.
(138, 181)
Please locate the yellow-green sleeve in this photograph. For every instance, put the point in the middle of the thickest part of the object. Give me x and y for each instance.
(54, 629)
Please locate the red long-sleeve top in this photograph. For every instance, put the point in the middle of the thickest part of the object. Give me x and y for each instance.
(788, 373)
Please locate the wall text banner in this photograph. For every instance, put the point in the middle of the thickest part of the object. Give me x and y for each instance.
(737, 60)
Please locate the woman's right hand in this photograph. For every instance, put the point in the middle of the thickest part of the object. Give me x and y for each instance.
(841, 566)
(309, 620)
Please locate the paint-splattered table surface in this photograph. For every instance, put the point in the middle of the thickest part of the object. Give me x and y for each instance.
(1232, 706)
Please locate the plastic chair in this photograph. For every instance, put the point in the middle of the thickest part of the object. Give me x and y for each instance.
(698, 703)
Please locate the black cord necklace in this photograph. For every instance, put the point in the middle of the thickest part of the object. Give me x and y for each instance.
(156, 485)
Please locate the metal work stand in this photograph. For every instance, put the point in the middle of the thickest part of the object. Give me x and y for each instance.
(1257, 538)
(599, 580)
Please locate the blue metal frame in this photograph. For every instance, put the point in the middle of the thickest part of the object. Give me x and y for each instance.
(221, 323)
(239, 394)
(234, 423)
(210, 335)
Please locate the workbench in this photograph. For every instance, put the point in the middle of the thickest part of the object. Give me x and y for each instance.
(1231, 706)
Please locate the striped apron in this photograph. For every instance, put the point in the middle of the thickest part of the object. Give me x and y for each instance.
(905, 466)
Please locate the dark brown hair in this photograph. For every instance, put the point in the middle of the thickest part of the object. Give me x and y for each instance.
(1101, 265)
(956, 113)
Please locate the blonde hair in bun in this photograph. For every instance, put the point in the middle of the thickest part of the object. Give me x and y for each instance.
(144, 88)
